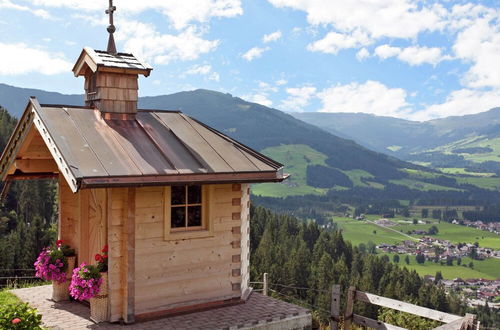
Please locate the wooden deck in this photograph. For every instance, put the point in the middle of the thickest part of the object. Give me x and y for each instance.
(259, 312)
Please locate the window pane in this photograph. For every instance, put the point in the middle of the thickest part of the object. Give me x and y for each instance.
(194, 216)
(178, 195)
(194, 194)
(178, 217)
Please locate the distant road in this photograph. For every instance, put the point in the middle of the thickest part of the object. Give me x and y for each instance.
(394, 230)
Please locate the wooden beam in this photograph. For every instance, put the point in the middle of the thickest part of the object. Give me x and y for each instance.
(335, 307)
(129, 296)
(465, 323)
(349, 307)
(373, 324)
(406, 307)
(36, 165)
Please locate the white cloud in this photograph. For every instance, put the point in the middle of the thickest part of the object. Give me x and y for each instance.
(479, 44)
(180, 13)
(386, 51)
(370, 97)
(259, 98)
(265, 87)
(281, 82)
(460, 102)
(144, 41)
(362, 54)
(271, 37)
(204, 70)
(413, 55)
(254, 53)
(388, 18)
(20, 59)
(7, 4)
(333, 42)
(298, 98)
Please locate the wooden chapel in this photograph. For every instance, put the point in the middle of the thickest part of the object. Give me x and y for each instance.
(168, 194)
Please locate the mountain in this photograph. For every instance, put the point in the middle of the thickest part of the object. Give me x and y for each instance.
(469, 142)
(318, 160)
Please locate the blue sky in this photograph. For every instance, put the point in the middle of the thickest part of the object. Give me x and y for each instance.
(410, 59)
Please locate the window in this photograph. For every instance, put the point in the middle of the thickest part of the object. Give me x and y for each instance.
(185, 207)
(186, 212)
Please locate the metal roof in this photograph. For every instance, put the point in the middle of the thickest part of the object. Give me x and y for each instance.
(152, 147)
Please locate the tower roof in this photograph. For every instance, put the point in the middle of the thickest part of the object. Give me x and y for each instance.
(99, 60)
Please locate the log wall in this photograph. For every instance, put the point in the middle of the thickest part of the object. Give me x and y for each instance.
(178, 273)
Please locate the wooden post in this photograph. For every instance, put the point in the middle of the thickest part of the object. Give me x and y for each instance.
(129, 303)
(265, 285)
(478, 325)
(351, 294)
(335, 307)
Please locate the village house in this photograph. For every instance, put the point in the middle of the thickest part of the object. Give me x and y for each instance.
(169, 195)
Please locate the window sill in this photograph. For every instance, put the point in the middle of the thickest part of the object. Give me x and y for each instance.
(188, 234)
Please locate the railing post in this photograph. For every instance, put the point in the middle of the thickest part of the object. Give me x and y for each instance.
(351, 294)
(335, 308)
(265, 285)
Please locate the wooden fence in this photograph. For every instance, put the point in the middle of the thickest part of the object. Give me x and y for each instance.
(452, 322)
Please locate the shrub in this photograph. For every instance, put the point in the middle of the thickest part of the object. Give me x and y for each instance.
(19, 316)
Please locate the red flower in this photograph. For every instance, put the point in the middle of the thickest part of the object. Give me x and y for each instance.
(16, 320)
(59, 242)
(105, 249)
(105, 256)
(98, 257)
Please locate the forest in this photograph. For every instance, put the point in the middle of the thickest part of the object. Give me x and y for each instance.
(303, 258)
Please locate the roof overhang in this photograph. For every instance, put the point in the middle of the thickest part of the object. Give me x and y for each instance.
(29, 119)
(163, 180)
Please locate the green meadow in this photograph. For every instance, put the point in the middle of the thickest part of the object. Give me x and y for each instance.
(362, 232)
(489, 268)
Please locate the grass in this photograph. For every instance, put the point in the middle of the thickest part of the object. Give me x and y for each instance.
(296, 158)
(463, 171)
(457, 233)
(489, 268)
(6, 297)
(492, 183)
(362, 232)
(420, 185)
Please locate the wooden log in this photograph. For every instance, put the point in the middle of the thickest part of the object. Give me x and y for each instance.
(465, 323)
(335, 307)
(406, 307)
(373, 324)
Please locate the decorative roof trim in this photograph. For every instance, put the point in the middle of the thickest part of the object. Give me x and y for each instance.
(30, 117)
(63, 166)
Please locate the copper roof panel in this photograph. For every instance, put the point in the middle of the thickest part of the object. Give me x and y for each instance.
(140, 148)
(102, 141)
(232, 155)
(260, 161)
(171, 147)
(194, 142)
(74, 148)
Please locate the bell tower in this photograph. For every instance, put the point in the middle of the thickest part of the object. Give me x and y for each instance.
(111, 78)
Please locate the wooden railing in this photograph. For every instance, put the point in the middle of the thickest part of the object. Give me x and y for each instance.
(452, 322)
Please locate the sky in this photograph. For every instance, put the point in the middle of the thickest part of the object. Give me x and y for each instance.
(416, 60)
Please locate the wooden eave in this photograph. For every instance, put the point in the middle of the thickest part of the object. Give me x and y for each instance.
(89, 58)
(29, 119)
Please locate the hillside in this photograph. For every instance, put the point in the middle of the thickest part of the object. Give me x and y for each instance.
(318, 161)
(467, 142)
